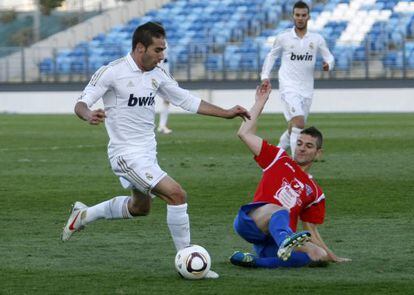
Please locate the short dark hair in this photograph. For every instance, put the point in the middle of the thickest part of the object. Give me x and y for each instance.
(315, 133)
(300, 4)
(144, 34)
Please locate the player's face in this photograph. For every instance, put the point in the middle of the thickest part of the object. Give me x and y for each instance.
(306, 149)
(300, 18)
(153, 54)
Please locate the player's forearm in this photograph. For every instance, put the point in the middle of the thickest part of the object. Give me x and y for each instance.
(328, 58)
(267, 66)
(250, 126)
(82, 110)
(317, 239)
(209, 109)
(331, 63)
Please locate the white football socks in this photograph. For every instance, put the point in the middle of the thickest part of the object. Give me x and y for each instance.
(115, 208)
(284, 141)
(164, 114)
(294, 134)
(179, 225)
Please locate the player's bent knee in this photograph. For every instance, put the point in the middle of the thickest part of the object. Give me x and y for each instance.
(178, 196)
(299, 125)
(298, 122)
(139, 210)
(139, 205)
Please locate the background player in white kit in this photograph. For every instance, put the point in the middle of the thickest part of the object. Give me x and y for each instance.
(128, 87)
(298, 49)
(165, 105)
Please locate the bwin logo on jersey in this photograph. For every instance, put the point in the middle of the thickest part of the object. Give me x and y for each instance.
(141, 101)
(304, 57)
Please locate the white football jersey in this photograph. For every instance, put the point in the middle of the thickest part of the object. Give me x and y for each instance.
(128, 95)
(298, 61)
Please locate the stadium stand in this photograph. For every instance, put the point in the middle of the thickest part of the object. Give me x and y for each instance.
(49, 25)
(235, 36)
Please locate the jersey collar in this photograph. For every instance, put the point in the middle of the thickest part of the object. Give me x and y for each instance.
(296, 36)
(132, 63)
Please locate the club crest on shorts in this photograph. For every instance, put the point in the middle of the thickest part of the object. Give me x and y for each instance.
(155, 84)
(293, 110)
(149, 176)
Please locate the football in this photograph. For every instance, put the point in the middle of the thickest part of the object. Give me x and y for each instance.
(193, 262)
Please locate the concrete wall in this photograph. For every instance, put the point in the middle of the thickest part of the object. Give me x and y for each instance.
(325, 100)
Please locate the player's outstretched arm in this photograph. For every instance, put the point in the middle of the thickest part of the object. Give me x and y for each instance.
(317, 240)
(270, 59)
(94, 117)
(209, 109)
(328, 59)
(247, 131)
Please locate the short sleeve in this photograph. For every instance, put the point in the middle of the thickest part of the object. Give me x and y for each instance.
(314, 213)
(268, 154)
(97, 86)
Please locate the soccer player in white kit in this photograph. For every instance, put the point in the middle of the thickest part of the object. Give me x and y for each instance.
(298, 49)
(128, 87)
(165, 105)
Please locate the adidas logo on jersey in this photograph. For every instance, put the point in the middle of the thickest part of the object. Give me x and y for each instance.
(130, 84)
(304, 57)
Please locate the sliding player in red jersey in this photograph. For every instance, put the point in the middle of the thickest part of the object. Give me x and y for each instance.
(285, 194)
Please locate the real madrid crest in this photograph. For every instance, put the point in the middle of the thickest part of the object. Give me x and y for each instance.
(311, 45)
(155, 84)
(149, 176)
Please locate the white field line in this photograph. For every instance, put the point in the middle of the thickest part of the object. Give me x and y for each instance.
(51, 148)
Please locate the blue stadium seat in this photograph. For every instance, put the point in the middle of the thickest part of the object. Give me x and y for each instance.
(47, 66)
(359, 53)
(393, 60)
(205, 29)
(214, 63)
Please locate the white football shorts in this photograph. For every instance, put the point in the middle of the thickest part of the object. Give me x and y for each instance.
(141, 173)
(295, 105)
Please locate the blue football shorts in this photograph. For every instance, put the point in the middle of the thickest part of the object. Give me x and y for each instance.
(263, 244)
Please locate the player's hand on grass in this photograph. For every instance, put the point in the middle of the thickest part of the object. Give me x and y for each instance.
(325, 66)
(96, 117)
(238, 111)
(342, 259)
(337, 259)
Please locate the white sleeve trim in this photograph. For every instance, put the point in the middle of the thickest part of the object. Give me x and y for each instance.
(195, 105)
(275, 159)
(321, 197)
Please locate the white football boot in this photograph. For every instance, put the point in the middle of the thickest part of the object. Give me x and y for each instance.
(74, 222)
(292, 242)
(212, 275)
(164, 130)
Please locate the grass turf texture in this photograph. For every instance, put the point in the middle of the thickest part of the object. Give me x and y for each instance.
(48, 162)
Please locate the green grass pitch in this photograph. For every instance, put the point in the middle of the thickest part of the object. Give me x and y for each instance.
(48, 162)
